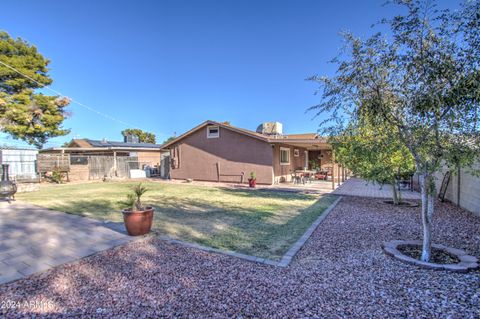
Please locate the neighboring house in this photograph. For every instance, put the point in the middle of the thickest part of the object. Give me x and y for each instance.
(214, 151)
(94, 159)
(21, 163)
(147, 153)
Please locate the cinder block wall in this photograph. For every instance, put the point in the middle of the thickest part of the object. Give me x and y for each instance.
(463, 189)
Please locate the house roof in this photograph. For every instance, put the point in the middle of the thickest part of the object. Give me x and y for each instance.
(302, 136)
(299, 139)
(80, 143)
(88, 143)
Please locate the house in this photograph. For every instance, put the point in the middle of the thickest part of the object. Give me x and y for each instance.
(214, 151)
(21, 163)
(147, 153)
(86, 159)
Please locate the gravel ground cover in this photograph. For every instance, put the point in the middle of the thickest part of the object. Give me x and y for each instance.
(340, 272)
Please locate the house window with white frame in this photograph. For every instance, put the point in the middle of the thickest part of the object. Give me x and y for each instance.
(213, 132)
(284, 156)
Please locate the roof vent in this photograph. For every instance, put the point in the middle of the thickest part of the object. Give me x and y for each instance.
(104, 140)
(270, 128)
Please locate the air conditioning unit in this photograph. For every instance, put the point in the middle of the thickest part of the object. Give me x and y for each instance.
(270, 128)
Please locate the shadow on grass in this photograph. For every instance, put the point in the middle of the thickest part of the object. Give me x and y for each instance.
(265, 230)
(267, 193)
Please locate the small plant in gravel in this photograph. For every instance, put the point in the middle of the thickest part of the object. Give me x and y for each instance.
(57, 176)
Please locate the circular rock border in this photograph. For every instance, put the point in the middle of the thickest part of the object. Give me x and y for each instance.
(467, 262)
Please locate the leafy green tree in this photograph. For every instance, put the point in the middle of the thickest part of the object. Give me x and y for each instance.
(375, 153)
(143, 137)
(424, 80)
(24, 114)
(171, 138)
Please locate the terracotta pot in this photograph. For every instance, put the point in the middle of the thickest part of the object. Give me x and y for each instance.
(252, 182)
(138, 222)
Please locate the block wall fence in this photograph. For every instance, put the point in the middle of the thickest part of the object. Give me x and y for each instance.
(463, 189)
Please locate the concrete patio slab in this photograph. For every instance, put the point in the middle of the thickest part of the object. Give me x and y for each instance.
(34, 239)
(362, 188)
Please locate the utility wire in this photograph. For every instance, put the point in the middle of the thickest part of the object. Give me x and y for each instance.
(71, 100)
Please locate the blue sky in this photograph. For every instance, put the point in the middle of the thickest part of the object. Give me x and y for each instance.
(166, 66)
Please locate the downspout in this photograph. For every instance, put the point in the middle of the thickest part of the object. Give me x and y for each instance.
(458, 185)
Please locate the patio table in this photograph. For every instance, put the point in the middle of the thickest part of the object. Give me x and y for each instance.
(302, 174)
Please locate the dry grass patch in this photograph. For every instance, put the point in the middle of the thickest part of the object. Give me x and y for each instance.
(256, 222)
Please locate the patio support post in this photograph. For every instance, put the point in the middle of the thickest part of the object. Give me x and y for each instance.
(339, 172)
(333, 170)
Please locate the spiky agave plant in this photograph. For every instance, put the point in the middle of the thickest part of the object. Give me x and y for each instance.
(134, 198)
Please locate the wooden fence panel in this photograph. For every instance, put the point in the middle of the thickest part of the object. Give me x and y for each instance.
(101, 166)
(53, 162)
(98, 166)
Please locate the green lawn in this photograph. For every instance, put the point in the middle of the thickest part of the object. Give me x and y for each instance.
(259, 222)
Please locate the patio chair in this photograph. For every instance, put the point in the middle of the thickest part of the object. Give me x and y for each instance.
(321, 175)
(296, 179)
(307, 178)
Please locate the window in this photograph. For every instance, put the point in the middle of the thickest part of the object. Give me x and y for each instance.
(284, 156)
(78, 160)
(213, 132)
(296, 153)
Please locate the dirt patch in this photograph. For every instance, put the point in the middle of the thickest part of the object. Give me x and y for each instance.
(402, 204)
(438, 256)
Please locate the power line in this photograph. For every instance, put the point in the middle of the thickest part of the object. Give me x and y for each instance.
(71, 100)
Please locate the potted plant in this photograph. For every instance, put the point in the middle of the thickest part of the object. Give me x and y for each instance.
(137, 218)
(252, 181)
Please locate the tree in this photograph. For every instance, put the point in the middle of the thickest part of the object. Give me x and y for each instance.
(424, 80)
(143, 137)
(374, 152)
(168, 140)
(24, 114)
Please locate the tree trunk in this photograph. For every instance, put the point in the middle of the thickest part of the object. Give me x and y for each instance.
(395, 192)
(399, 194)
(428, 196)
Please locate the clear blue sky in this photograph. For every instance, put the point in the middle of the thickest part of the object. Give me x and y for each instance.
(166, 66)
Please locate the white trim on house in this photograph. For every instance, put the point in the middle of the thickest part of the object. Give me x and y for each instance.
(213, 135)
(284, 149)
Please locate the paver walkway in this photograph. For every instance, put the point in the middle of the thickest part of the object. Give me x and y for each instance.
(359, 187)
(33, 239)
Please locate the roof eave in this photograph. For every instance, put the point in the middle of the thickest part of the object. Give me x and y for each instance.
(209, 122)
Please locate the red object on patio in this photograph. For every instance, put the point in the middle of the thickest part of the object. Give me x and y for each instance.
(321, 175)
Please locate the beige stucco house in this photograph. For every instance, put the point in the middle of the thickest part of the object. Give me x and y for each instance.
(214, 151)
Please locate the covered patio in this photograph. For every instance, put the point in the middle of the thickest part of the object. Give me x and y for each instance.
(319, 167)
